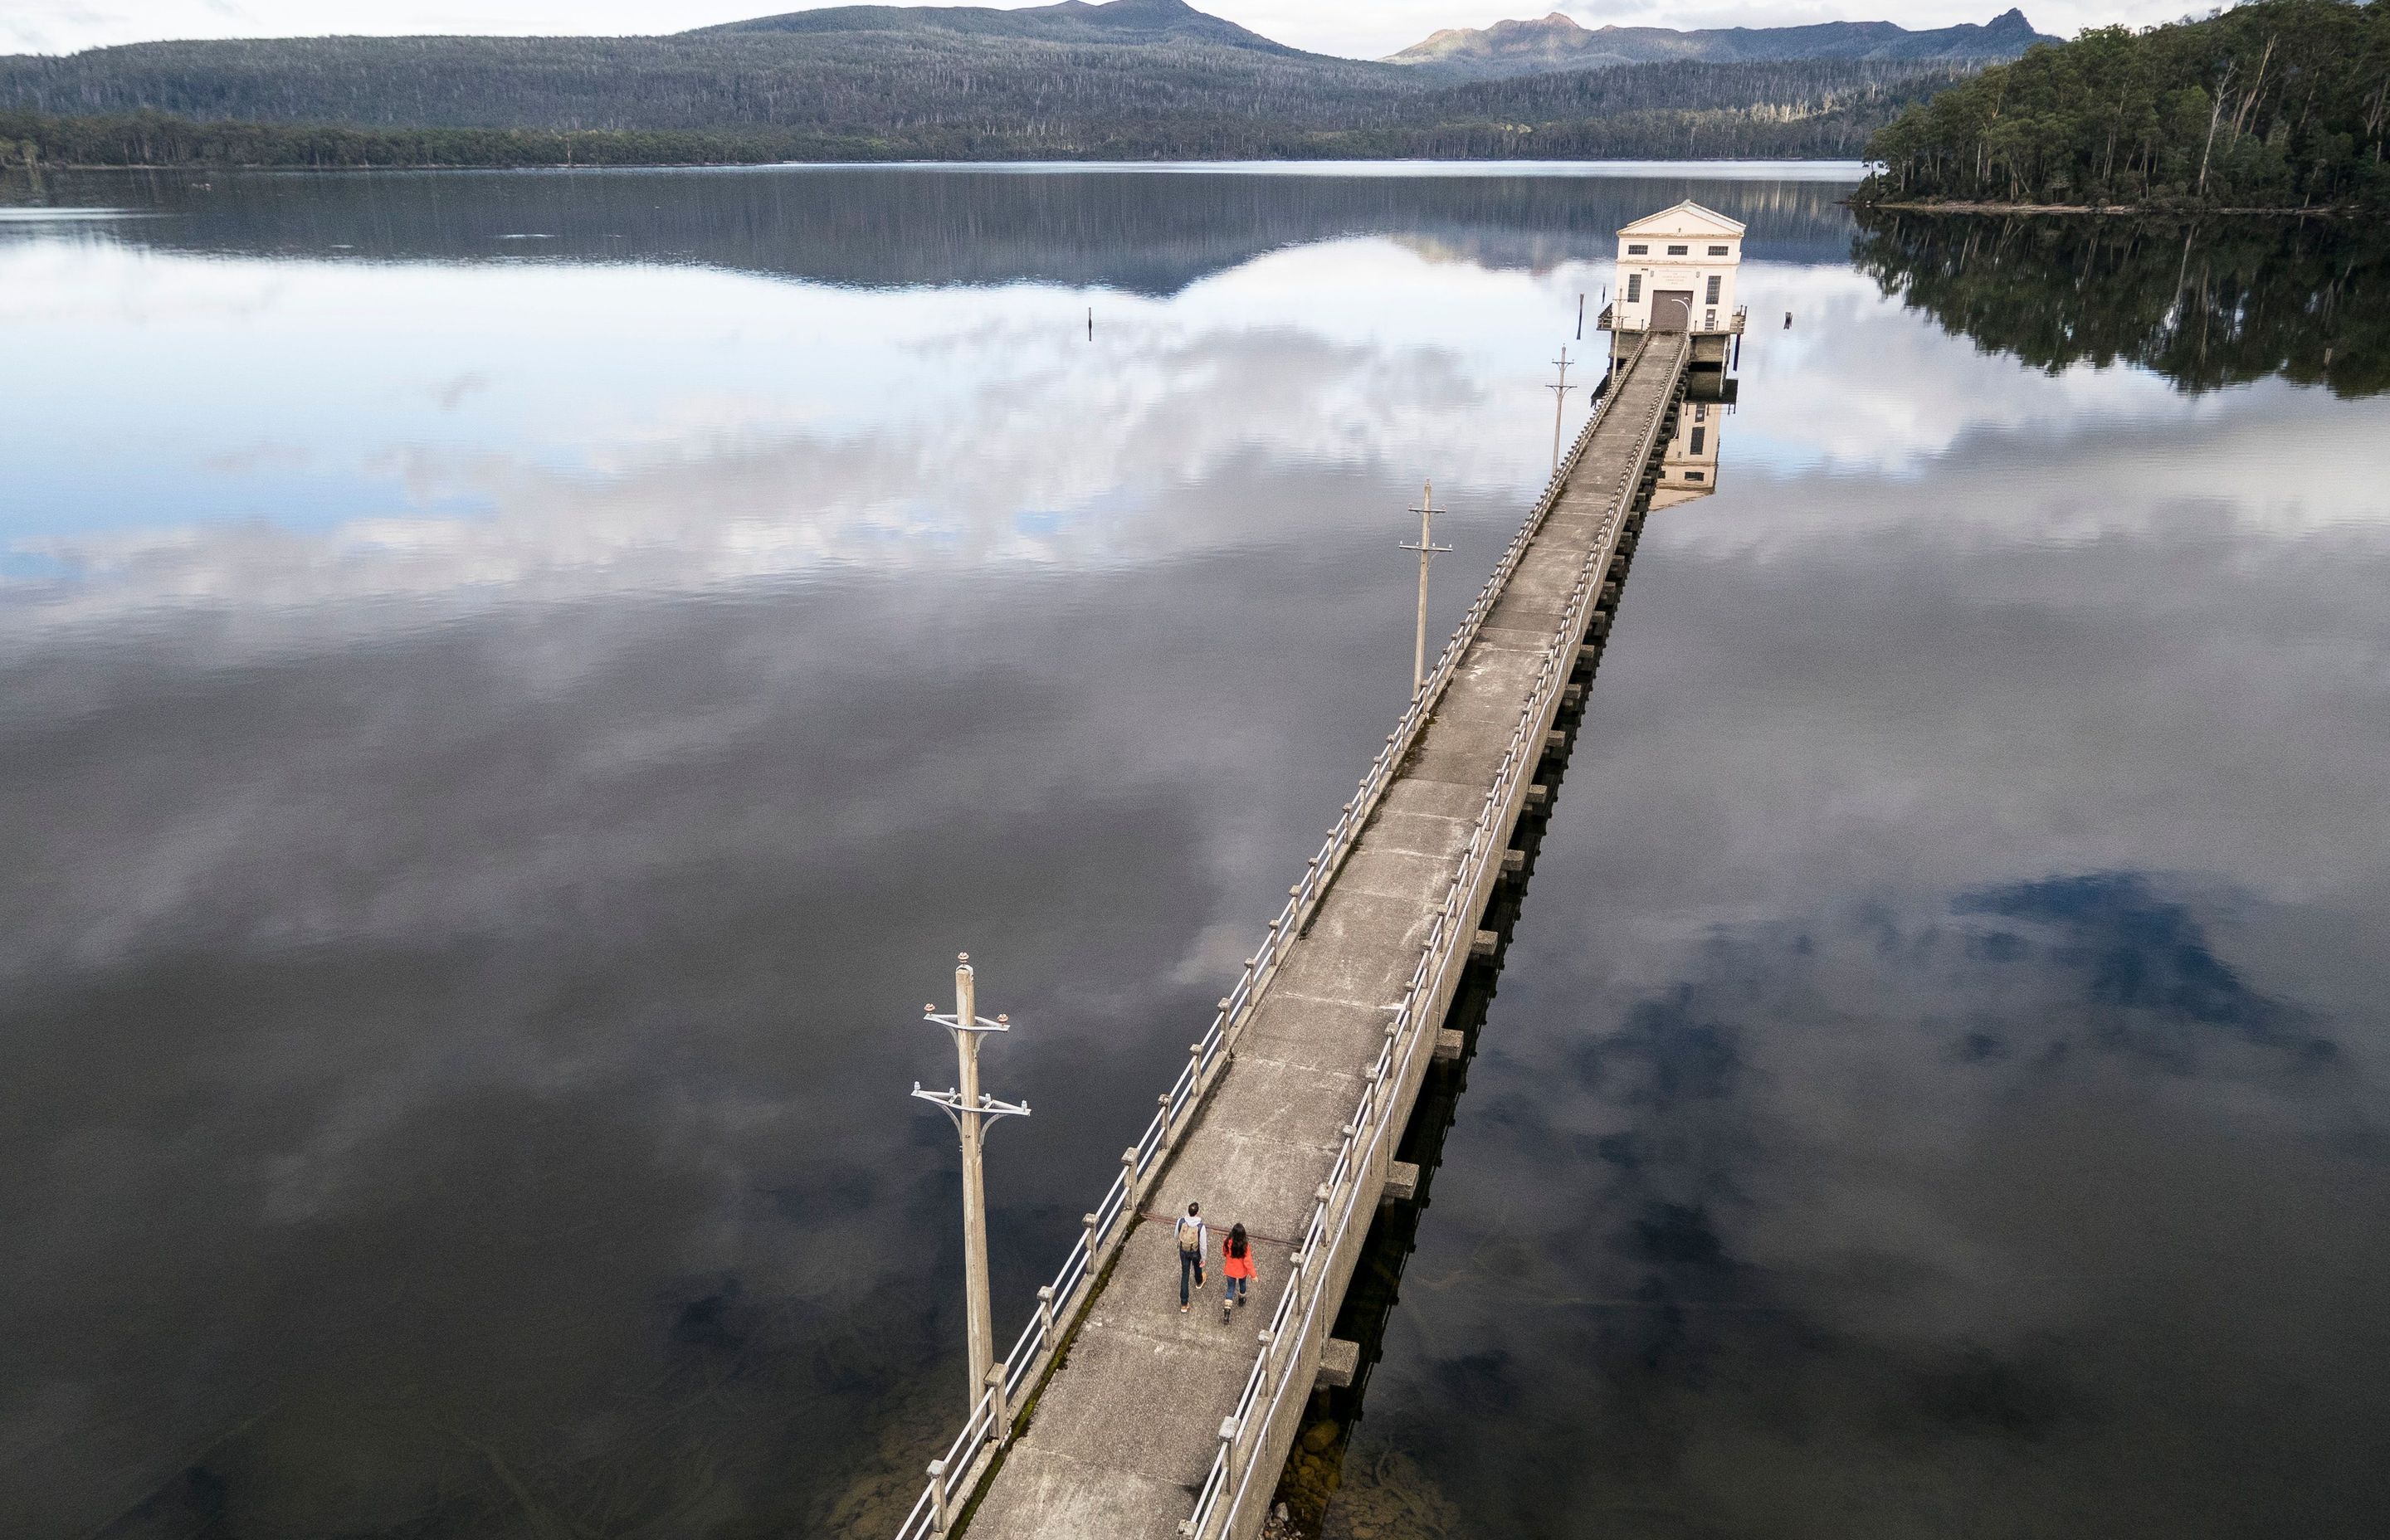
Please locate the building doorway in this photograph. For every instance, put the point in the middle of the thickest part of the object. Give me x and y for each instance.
(1672, 310)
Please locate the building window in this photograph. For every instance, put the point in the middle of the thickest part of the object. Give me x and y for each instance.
(1695, 476)
(1715, 281)
(1699, 434)
(1638, 251)
(1634, 289)
(1717, 250)
(1700, 411)
(1681, 251)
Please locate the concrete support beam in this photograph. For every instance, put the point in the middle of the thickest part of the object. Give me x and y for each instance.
(1513, 862)
(1484, 944)
(1402, 1183)
(1449, 1044)
(1339, 1362)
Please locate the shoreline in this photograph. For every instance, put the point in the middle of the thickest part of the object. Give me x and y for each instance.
(1818, 169)
(2106, 210)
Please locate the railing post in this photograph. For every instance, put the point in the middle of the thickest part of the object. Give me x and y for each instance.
(939, 1518)
(1045, 1314)
(1128, 1182)
(999, 1432)
(1088, 1222)
(1229, 1429)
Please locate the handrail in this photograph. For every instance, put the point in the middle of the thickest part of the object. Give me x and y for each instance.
(967, 1460)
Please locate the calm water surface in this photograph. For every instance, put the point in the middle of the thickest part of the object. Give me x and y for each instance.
(514, 688)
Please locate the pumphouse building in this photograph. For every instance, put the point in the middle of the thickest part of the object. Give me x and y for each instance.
(1675, 273)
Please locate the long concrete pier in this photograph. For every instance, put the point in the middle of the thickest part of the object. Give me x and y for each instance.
(1119, 1418)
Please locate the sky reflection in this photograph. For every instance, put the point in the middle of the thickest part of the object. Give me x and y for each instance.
(592, 428)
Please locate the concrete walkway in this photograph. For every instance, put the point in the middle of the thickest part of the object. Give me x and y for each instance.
(1126, 1429)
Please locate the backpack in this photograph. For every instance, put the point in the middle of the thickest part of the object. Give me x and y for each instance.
(1190, 1238)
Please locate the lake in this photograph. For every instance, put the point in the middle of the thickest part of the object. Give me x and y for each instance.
(515, 687)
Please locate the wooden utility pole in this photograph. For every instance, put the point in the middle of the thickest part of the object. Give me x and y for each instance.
(1560, 402)
(971, 1110)
(1428, 551)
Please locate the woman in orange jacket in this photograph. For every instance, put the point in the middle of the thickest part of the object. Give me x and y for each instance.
(1236, 1270)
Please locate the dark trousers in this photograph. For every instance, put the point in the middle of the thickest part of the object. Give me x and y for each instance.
(1189, 1263)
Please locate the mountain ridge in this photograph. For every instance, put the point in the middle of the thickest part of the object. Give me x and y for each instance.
(1107, 21)
(1558, 41)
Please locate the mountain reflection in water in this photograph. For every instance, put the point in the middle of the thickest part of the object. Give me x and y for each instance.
(877, 227)
(498, 736)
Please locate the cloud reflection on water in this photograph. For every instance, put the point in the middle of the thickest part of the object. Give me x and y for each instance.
(1879, 1218)
(830, 428)
(838, 429)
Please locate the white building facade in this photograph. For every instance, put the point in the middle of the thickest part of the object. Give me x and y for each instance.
(1675, 273)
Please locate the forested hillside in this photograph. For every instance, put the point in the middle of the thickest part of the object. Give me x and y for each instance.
(869, 71)
(1768, 111)
(1133, 78)
(825, 82)
(2277, 104)
(1813, 109)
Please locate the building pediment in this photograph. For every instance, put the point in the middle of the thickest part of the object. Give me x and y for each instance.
(1688, 218)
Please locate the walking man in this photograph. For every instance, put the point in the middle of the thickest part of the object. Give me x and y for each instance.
(1194, 1241)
